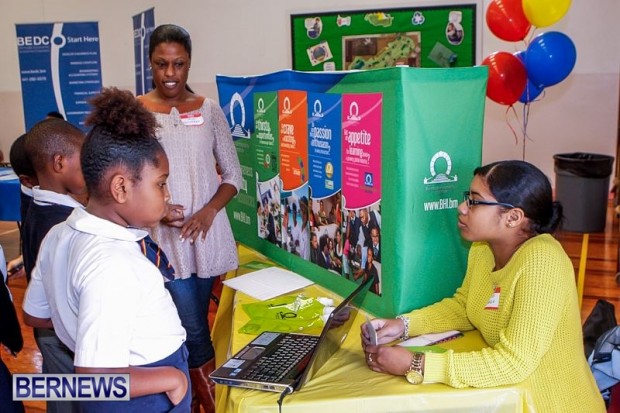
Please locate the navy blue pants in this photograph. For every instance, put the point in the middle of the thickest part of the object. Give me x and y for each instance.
(154, 403)
(191, 297)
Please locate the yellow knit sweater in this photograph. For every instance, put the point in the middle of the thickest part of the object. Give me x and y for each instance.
(534, 335)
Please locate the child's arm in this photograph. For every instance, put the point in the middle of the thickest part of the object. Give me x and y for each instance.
(148, 380)
(37, 322)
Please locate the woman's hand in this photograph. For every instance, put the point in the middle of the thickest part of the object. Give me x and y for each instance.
(174, 215)
(198, 224)
(388, 359)
(387, 330)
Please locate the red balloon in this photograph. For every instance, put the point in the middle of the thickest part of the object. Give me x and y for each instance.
(506, 19)
(507, 77)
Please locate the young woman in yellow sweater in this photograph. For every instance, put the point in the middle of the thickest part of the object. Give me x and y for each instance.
(519, 292)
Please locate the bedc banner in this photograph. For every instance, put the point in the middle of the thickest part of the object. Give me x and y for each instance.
(60, 68)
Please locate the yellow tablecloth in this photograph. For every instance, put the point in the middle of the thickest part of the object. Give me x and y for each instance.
(345, 384)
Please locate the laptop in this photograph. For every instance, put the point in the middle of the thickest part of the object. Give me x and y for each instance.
(281, 362)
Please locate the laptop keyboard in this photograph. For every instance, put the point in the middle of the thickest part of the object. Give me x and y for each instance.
(275, 366)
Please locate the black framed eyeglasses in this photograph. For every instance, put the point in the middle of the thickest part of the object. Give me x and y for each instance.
(471, 202)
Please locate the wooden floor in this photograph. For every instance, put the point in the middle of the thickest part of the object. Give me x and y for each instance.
(600, 282)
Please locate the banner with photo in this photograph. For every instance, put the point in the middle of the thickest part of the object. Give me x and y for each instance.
(143, 26)
(60, 69)
(351, 175)
(429, 36)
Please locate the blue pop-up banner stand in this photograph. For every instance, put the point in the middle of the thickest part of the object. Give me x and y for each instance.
(143, 26)
(60, 68)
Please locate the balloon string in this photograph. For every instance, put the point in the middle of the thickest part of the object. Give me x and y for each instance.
(514, 132)
(526, 117)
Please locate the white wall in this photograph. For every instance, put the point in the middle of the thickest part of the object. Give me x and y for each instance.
(236, 37)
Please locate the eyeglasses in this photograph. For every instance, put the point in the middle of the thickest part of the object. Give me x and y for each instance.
(471, 202)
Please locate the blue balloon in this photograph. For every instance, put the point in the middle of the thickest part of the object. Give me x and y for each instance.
(550, 58)
(531, 91)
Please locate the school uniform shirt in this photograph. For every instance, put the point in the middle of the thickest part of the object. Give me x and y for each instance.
(47, 209)
(528, 314)
(25, 199)
(106, 299)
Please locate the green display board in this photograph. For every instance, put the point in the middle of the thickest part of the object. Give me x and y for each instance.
(425, 125)
(438, 36)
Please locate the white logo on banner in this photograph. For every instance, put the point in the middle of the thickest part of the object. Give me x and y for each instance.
(286, 106)
(354, 112)
(318, 109)
(238, 129)
(440, 177)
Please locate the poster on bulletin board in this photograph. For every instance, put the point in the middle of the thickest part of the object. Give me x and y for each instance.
(430, 36)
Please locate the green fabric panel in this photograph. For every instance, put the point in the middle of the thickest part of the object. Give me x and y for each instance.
(427, 114)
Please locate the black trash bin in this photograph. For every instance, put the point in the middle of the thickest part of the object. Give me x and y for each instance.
(582, 186)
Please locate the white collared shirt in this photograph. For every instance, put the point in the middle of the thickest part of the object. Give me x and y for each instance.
(25, 190)
(45, 197)
(107, 301)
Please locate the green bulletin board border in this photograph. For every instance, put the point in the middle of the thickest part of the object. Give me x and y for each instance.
(311, 49)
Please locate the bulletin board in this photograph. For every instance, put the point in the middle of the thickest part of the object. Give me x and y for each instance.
(439, 36)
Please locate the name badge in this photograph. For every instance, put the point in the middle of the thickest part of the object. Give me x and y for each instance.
(192, 119)
(493, 303)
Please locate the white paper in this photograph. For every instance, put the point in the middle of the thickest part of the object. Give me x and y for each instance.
(372, 333)
(430, 339)
(268, 283)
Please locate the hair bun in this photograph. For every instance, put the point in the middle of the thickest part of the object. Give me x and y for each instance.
(120, 114)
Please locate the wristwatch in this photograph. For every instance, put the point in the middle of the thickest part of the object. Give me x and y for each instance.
(415, 374)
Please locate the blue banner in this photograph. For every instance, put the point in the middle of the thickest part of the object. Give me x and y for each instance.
(324, 146)
(60, 68)
(143, 26)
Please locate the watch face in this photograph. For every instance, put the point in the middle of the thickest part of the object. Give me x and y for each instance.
(414, 377)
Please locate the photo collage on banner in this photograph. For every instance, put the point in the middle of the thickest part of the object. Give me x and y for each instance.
(60, 68)
(294, 195)
(317, 161)
(361, 187)
(266, 150)
(324, 152)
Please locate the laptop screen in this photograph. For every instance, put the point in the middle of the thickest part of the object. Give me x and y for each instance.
(336, 330)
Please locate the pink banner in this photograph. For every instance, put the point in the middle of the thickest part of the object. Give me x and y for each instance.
(361, 149)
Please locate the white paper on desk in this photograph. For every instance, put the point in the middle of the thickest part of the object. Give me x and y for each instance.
(430, 339)
(268, 283)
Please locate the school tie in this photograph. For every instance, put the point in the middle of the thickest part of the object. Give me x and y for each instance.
(155, 254)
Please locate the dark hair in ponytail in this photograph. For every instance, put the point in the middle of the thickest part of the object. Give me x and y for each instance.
(123, 134)
(523, 185)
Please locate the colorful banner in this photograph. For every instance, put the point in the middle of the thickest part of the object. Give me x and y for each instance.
(404, 234)
(293, 131)
(324, 160)
(60, 68)
(143, 26)
(266, 149)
